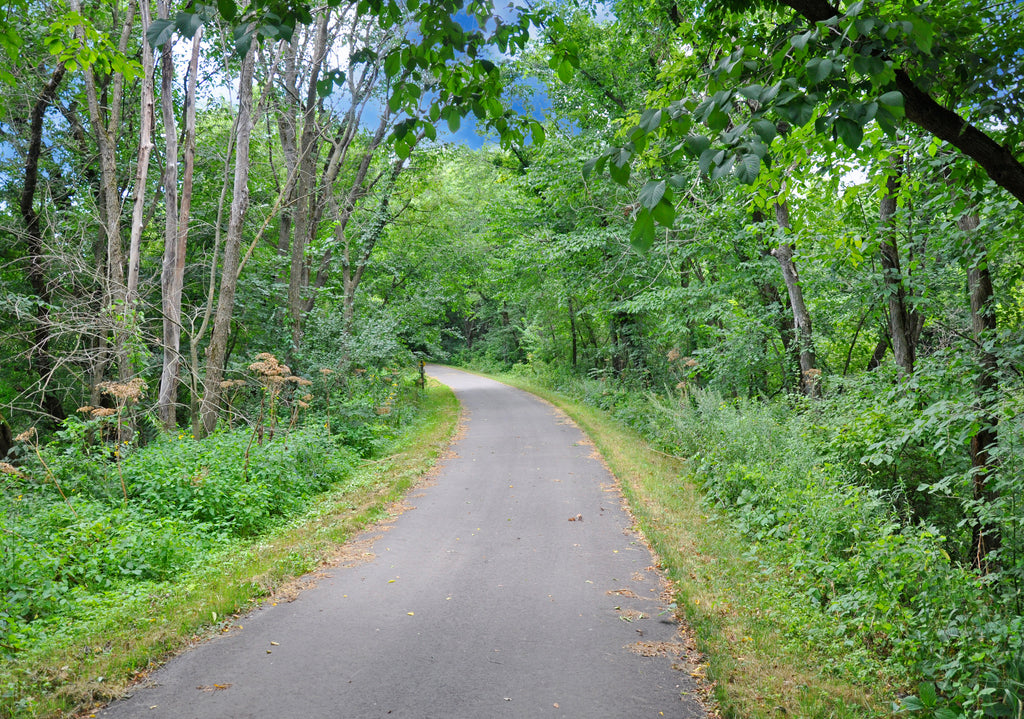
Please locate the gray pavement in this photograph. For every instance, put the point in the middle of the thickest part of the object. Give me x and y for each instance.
(484, 600)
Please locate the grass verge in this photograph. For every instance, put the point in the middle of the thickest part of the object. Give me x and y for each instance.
(126, 636)
(755, 639)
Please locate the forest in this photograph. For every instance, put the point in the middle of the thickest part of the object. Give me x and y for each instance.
(780, 240)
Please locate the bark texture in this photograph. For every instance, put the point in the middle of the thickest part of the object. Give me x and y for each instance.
(985, 537)
(41, 357)
(901, 321)
(216, 352)
(809, 373)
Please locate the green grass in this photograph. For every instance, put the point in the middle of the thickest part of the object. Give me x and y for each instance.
(754, 628)
(127, 634)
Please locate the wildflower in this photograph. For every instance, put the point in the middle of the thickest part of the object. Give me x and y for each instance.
(673, 355)
(103, 412)
(26, 435)
(86, 409)
(326, 371)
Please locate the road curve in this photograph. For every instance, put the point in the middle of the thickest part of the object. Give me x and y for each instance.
(514, 588)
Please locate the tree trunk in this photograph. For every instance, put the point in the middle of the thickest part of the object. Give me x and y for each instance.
(572, 329)
(142, 165)
(901, 322)
(42, 359)
(305, 215)
(770, 295)
(176, 225)
(106, 127)
(985, 536)
(217, 350)
(809, 373)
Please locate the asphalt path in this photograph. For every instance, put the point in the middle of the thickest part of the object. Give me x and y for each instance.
(514, 587)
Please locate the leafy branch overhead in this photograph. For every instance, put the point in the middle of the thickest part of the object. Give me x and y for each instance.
(437, 61)
(836, 70)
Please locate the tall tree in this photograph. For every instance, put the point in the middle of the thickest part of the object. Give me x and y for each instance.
(216, 352)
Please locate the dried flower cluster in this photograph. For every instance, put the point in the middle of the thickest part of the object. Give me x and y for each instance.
(272, 373)
(124, 392)
(229, 383)
(97, 412)
(6, 468)
(26, 435)
(267, 365)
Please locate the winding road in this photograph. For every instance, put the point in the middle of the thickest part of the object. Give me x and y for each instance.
(515, 587)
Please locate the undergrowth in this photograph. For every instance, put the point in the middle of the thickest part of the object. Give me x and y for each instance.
(92, 524)
(856, 530)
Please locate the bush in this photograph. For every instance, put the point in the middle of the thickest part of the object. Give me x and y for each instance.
(862, 499)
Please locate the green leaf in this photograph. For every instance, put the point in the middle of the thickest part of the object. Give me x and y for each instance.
(765, 130)
(159, 32)
(619, 172)
(748, 168)
(717, 120)
(664, 212)
(392, 63)
(927, 694)
(892, 99)
(818, 69)
(402, 149)
(395, 101)
(710, 157)
(243, 39)
(588, 167)
(565, 71)
(923, 35)
(752, 92)
(722, 170)
(800, 41)
(537, 133)
(850, 132)
(453, 120)
(188, 23)
(650, 120)
(227, 9)
(855, 9)
(651, 193)
(642, 234)
(429, 131)
(697, 144)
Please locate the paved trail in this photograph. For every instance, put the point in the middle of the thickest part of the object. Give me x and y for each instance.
(483, 601)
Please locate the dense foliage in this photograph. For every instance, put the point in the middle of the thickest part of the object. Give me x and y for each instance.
(781, 239)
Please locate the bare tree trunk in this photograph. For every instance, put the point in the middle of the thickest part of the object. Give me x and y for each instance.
(985, 537)
(106, 127)
(901, 322)
(572, 330)
(305, 216)
(142, 165)
(809, 373)
(770, 294)
(43, 360)
(176, 226)
(217, 350)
